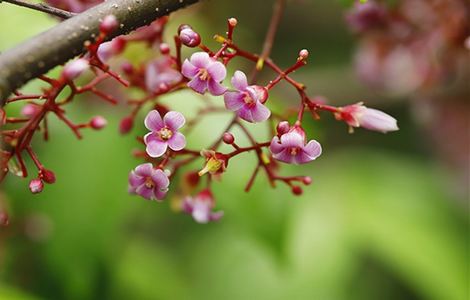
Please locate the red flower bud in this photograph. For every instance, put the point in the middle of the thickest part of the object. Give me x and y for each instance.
(307, 180)
(164, 48)
(126, 125)
(192, 178)
(282, 127)
(98, 122)
(297, 190)
(228, 138)
(36, 186)
(47, 176)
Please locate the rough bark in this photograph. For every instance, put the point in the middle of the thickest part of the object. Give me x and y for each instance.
(66, 40)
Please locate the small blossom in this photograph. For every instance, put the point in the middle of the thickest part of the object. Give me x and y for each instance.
(164, 132)
(188, 36)
(160, 74)
(358, 115)
(216, 162)
(200, 207)
(109, 24)
(291, 147)
(75, 68)
(98, 122)
(247, 101)
(36, 185)
(205, 73)
(150, 183)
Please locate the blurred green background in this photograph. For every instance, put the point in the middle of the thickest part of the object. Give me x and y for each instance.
(383, 219)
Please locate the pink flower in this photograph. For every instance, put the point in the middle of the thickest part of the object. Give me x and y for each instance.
(357, 115)
(200, 207)
(205, 73)
(150, 183)
(247, 101)
(160, 74)
(291, 147)
(164, 132)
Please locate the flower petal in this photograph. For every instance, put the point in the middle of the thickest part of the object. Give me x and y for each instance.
(276, 145)
(189, 70)
(174, 120)
(233, 100)
(377, 120)
(200, 60)
(144, 170)
(153, 121)
(239, 81)
(156, 148)
(145, 192)
(216, 88)
(217, 71)
(292, 139)
(135, 180)
(201, 212)
(198, 85)
(284, 156)
(216, 216)
(313, 149)
(260, 112)
(177, 141)
(246, 114)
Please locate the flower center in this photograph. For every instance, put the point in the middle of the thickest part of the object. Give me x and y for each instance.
(165, 133)
(203, 74)
(293, 151)
(249, 100)
(149, 183)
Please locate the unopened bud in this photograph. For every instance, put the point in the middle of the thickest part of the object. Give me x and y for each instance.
(126, 125)
(109, 24)
(47, 176)
(189, 37)
(127, 68)
(4, 219)
(192, 178)
(75, 68)
(164, 48)
(297, 190)
(98, 122)
(228, 138)
(29, 110)
(307, 180)
(282, 127)
(232, 22)
(303, 54)
(36, 186)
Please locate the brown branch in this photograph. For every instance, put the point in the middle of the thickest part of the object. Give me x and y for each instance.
(42, 7)
(66, 40)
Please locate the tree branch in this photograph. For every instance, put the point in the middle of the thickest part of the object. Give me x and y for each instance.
(42, 7)
(57, 45)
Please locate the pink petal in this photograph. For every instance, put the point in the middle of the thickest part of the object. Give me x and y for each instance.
(292, 139)
(201, 213)
(156, 148)
(144, 170)
(276, 146)
(284, 156)
(200, 60)
(216, 88)
(233, 100)
(216, 216)
(313, 149)
(239, 81)
(246, 114)
(174, 120)
(260, 112)
(145, 192)
(198, 85)
(177, 141)
(153, 121)
(217, 71)
(189, 70)
(135, 180)
(377, 120)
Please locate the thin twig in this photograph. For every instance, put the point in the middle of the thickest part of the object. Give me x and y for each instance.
(42, 7)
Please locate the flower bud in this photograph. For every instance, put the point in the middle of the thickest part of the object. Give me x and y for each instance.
(47, 176)
(75, 68)
(4, 219)
(358, 115)
(282, 128)
(307, 180)
(189, 37)
(98, 122)
(109, 24)
(192, 178)
(127, 68)
(228, 138)
(164, 48)
(29, 110)
(232, 22)
(303, 54)
(36, 186)
(261, 93)
(126, 125)
(297, 190)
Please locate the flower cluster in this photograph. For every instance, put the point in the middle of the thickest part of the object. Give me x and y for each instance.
(165, 151)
